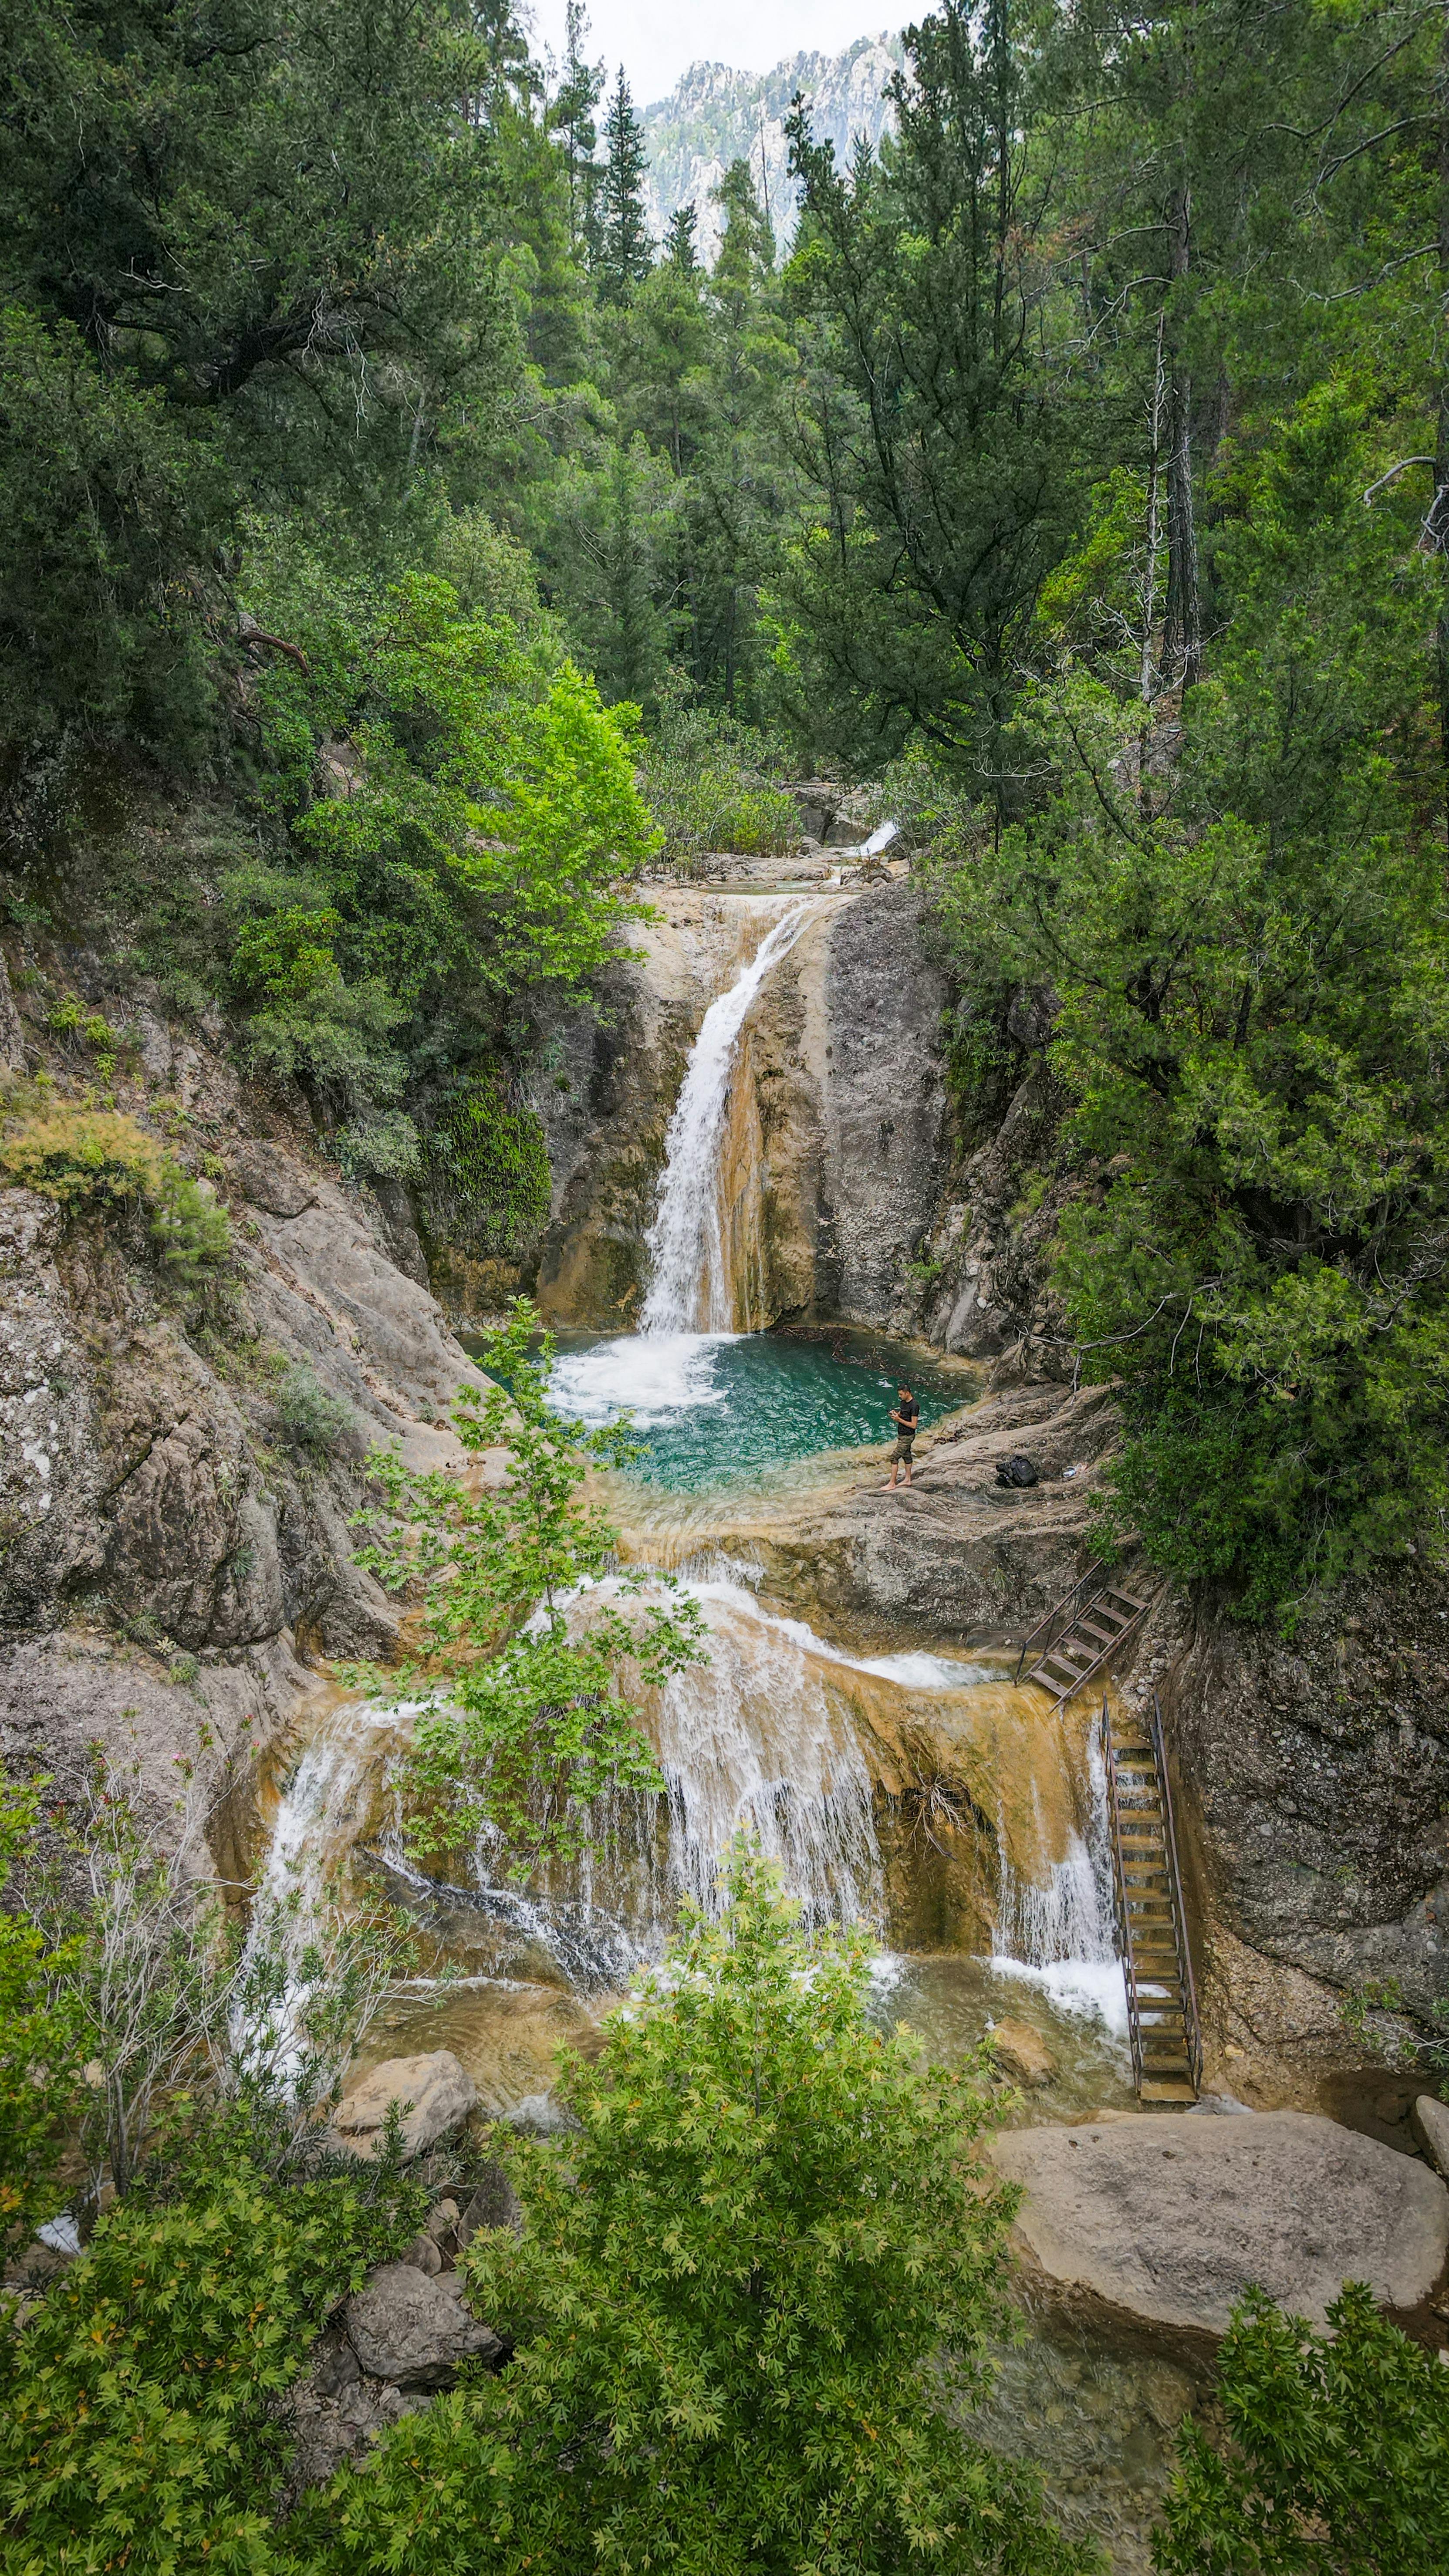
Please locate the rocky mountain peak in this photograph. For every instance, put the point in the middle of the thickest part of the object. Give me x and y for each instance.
(715, 115)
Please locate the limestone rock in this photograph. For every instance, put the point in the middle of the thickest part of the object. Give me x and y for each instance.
(1319, 1770)
(836, 1129)
(957, 1551)
(412, 2330)
(435, 2093)
(48, 1470)
(424, 2255)
(883, 1102)
(272, 1180)
(335, 2366)
(191, 1538)
(63, 1693)
(1024, 2054)
(1165, 2222)
(335, 2413)
(1430, 2120)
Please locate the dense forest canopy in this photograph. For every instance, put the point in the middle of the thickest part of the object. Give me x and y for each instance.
(370, 478)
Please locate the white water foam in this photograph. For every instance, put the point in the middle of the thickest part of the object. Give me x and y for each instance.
(753, 1740)
(323, 1809)
(691, 1289)
(658, 1378)
(912, 1670)
(1061, 1937)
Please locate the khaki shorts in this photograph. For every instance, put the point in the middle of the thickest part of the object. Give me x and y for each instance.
(903, 1449)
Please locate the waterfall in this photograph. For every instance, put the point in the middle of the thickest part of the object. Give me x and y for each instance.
(691, 1290)
(1059, 1934)
(755, 1740)
(325, 1807)
(760, 1738)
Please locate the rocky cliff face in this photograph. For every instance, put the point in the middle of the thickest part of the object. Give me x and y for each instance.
(837, 1142)
(1318, 1773)
(714, 116)
(171, 1548)
(604, 1087)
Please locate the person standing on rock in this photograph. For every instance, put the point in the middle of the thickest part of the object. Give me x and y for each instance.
(907, 1419)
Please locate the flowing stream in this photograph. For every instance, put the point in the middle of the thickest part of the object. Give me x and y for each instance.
(919, 1790)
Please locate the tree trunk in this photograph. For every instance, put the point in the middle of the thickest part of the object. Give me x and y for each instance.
(1184, 601)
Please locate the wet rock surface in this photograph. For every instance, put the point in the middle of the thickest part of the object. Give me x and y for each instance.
(1024, 2055)
(836, 1143)
(1164, 2222)
(604, 1087)
(956, 1550)
(433, 2093)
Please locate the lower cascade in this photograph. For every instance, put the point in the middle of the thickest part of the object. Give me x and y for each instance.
(815, 1752)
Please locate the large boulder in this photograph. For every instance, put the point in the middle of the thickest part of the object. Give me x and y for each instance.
(435, 2093)
(1023, 2054)
(1162, 2223)
(409, 2328)
(1430, 2121)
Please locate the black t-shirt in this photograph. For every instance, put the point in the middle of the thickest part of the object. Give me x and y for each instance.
(908, 1414)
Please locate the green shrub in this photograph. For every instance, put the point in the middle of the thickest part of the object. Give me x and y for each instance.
(311, 1418)
(711, 783)
(1336, 2457)
(301, 1015)
(38, 2044)
(383, 1146)
(140, 2423)
(485, 1176)
(742, 2298)
(99, 1159)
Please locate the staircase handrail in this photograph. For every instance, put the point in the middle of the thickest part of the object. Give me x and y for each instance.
(1174, 1880)
(1119, 1906)
(1079, 1598)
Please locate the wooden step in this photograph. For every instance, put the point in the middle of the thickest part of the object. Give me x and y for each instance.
(1165, 2093)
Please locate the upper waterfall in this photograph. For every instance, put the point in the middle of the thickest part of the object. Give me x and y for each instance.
(691, 1290)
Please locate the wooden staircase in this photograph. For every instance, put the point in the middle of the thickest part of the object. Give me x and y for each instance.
(1162, 2017)
(1075, 1639)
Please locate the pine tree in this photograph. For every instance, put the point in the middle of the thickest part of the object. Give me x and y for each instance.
(625, 252)
(571, 114)
(679, 242)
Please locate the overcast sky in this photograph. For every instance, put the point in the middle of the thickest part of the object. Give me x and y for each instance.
(656, 40)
